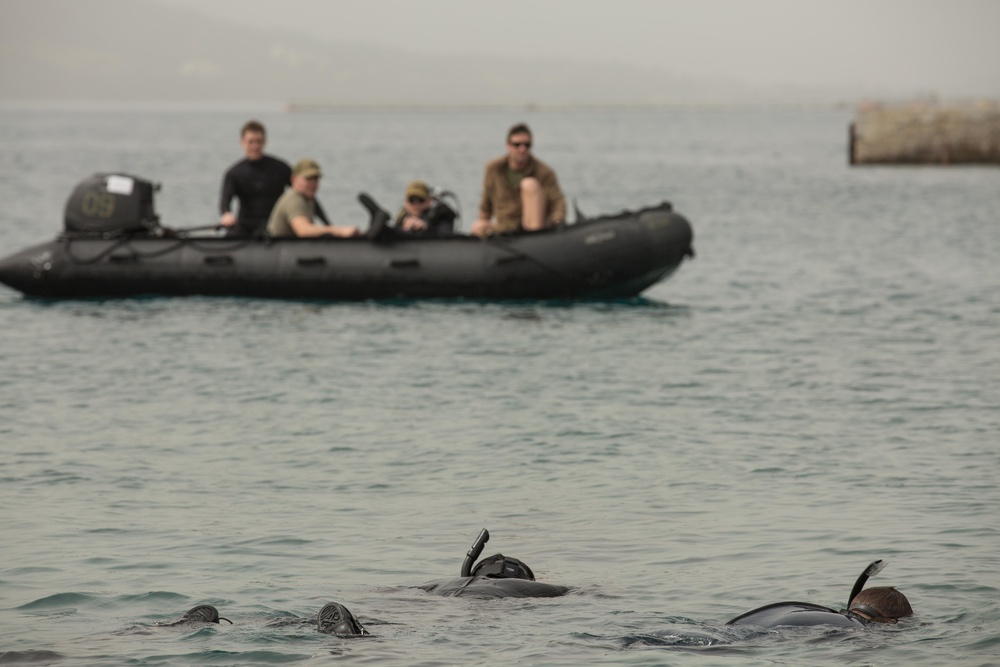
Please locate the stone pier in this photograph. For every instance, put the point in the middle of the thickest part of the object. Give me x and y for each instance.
(926, 133)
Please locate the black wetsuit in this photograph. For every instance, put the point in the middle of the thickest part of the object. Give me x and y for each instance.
(257, 185)
(494, 587)
(797, 613)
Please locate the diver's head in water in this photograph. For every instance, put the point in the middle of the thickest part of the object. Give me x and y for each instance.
(881, 604)
(499, 566)
(203, 613)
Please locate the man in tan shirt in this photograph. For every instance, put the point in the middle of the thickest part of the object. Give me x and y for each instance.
(293, 213)
(520, 191)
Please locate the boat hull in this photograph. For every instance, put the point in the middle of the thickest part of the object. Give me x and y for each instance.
(604, 258)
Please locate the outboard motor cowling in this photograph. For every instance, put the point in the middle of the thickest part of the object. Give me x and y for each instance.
(112, 204)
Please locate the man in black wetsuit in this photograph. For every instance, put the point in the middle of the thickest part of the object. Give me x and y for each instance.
(881, 604)
(495, 576)
(257, 181)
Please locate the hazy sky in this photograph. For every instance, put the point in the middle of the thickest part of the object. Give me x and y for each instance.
(949, 47)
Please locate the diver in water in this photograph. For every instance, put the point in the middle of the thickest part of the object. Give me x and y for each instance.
(495, 576)
(333, 619)
(336, 619)
(882, 604)
(203, 613)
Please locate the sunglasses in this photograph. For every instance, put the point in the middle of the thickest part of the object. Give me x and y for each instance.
(416, 200)
(521, 144)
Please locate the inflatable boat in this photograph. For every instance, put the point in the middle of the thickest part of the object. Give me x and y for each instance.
(114, 246)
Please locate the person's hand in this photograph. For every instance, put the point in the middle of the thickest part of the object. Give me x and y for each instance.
(227, 219)
(481, 227)
(412, 223)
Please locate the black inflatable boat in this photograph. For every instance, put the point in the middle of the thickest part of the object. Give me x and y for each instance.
(114, 246)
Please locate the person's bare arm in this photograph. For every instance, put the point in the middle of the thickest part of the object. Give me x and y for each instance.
(304, 228)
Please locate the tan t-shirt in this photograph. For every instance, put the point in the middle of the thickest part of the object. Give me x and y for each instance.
(290, 205)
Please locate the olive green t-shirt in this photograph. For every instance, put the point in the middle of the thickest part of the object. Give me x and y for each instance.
(514, 178)
(290, 205)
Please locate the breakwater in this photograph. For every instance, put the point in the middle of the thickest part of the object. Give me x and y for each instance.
(926, 134)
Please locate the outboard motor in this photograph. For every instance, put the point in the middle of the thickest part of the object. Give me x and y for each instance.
(112, 205)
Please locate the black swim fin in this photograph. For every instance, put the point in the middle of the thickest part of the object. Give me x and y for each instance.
(379, 222)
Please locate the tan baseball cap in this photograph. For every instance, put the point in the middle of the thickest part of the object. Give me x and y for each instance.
(307, 168)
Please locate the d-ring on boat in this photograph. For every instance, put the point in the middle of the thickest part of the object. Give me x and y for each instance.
(114, 246)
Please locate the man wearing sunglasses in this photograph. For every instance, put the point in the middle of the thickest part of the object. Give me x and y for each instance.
(425, 212)
(413, 216)
(520, 192)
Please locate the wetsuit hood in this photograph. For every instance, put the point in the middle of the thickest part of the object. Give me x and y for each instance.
(496, 566)
(499, 566)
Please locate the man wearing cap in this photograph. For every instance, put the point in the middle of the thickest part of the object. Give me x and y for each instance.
(294, 211)
(256, 182)
(425, 212)
(413, 216)
(520, 191)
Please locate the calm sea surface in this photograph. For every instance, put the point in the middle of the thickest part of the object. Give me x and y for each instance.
(819, 388)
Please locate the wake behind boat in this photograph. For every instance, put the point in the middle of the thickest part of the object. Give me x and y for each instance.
(113, 246)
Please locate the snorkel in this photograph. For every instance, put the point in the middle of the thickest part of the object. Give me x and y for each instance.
(873, 568)
(474, 551)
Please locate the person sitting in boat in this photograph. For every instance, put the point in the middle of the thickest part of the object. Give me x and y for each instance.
(293, 213)
(881, 604)
(256, 182)
(423, 212)
(496, 576)
(520, 192)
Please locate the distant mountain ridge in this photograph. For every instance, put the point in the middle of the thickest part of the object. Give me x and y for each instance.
(141, 51)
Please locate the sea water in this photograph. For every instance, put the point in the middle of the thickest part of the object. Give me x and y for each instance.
(817, 389)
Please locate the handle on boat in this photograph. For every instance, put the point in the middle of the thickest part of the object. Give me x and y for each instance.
(205, 228)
